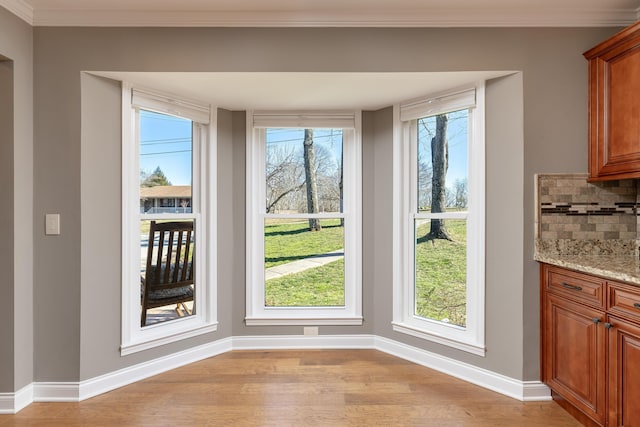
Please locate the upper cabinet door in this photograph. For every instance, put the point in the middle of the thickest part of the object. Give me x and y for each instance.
(614, 106)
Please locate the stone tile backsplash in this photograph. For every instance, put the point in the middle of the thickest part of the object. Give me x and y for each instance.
(574, 217)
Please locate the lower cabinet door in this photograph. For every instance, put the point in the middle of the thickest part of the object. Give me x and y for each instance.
(574, 355)
(624, 373)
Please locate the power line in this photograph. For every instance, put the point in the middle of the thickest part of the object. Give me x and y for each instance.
(165, 152)
(165, 141)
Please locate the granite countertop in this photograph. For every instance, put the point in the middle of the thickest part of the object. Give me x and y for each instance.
(624, 268)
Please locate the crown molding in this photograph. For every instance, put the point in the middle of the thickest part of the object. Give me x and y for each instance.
(19, 8)
(485, 17)
(440, 18)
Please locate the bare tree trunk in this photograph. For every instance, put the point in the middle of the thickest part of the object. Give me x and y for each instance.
(440, 161)
(310, 175)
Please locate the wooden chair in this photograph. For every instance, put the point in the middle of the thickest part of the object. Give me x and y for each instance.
(170, 268)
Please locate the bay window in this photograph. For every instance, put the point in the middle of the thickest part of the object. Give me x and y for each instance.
(168, 284)
(303, 218)
(439, 219)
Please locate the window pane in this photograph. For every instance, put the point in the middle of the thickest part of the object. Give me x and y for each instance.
(440, 270)
(303, 170)
(167, 285)
(304, 268)
(443, 162)
(166, 149)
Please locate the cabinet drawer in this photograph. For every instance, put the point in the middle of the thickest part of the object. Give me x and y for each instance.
(624, 301)
(576, 286)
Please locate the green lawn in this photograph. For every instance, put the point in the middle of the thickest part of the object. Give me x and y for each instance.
(440, 269)
(317, 287)
(290, 241)
(441, 274)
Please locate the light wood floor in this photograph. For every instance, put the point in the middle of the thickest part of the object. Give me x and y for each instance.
(297, 388)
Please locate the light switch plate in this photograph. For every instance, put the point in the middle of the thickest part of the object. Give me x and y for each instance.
(52, 224)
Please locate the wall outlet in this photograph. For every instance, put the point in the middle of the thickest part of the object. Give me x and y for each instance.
(310, 331)
(52, 224)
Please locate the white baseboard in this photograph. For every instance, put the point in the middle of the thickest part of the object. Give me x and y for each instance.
(521, 390)
(10, 403)
(287, 342)
(111, 381)
(75, 392)
(7, 403)
(56, 392)
(535, 391)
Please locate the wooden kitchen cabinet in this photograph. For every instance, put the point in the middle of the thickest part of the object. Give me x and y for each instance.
(590, 346)
(614, 106)
(573, 344)
(623, 306)
(624, 373)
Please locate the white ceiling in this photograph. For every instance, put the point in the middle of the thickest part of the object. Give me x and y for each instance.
(327, 13)
(302, 91)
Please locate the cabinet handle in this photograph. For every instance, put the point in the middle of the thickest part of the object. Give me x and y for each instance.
(572, 287)
(637, 305)
(608, 325)
(596, 320)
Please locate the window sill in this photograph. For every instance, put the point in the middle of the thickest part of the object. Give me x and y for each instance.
(307, 321)
(404, 328)
(166, 337)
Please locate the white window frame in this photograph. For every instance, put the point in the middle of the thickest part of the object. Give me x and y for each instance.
(134, 337)
(470, 338)
(256, 311)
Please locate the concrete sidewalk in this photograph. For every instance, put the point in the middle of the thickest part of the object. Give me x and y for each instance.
(303, 264)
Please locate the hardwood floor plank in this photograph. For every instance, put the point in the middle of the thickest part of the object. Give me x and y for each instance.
(298, 388)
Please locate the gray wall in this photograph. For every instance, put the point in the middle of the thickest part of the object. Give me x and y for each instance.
(16, 193)
(553, 84)
(6, 223)
(380, 212)
(370, 224)
(101, 212)
(238, 179)
(228, 240)
(101, 207)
